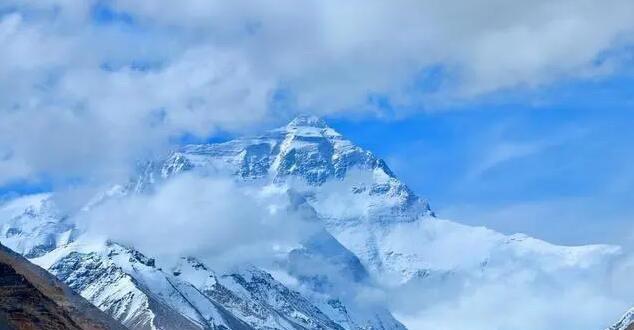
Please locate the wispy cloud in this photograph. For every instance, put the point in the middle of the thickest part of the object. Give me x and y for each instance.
(501, 149)
(505, 152)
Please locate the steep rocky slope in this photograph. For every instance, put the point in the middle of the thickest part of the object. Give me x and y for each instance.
(31, 298)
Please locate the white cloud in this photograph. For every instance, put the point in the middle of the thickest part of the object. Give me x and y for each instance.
(218, 65)
(518, 290)
(379, 45)
(211, 218)
(519, 303)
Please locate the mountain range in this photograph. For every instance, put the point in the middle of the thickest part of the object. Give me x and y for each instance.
(369, 233)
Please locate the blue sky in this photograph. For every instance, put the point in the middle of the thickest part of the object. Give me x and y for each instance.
(519, 121)
(557, 164)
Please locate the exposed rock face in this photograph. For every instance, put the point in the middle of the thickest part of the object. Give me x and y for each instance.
(30, 298)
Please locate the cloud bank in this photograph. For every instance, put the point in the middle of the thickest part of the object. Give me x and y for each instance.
(521, 302)
(211, 218)
(88, 87)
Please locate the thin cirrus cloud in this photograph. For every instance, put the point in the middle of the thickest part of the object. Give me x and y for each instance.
(129, 76)
(503, 150)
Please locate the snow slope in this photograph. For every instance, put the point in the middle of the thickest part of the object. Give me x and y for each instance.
(185, 295)
(625, 323)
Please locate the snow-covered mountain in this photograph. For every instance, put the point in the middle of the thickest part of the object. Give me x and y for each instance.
(33, 225)
(377, 233)
(364, 205)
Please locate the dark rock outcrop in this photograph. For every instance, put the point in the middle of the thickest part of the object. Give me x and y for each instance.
(31, 298)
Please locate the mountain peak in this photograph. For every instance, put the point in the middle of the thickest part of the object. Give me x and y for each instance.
(307, 121)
